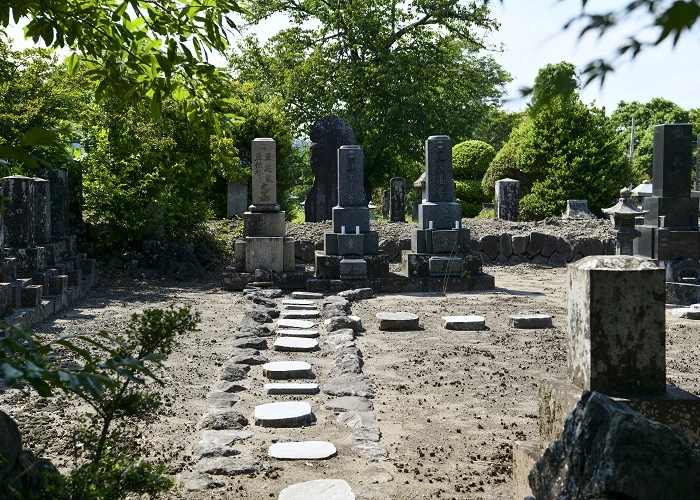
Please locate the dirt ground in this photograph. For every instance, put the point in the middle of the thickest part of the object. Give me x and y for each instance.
(449, 403)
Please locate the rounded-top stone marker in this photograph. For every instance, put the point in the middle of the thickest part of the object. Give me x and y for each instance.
(464, 323)
(284, 414)
(277, 370)
(397, 321)
(335, 489)
(302, 450)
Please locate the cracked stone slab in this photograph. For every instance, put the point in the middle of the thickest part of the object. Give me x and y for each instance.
(307, 295)
(358, 419)
(349, 384)
(278, 370)
(372, 452)
(209, 449)
(291, 388)
(464, 323)
(349, 403)
(298, 333)
(284, 414)
(299, 315)
(295, 323)
(530, 321)
(198, 481)
(232, 372)
(397, 321)
(335, 489)
(295, 344)
(302, 450)
(251, 342)
(220, 399)
(371, 434)
(219, 419)
(228, 466)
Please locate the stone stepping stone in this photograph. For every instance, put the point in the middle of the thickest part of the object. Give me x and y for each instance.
(298, 333)
(349, 403)
(284, 414)
(300, 308)
(198, 481)
(692, 312)
(299, 314)
(228, 466)
(464, 323)
(283, 370)
(291, 388)
(397, 321)
(295, 323)
(307, 295)
(327, 489)
(530, 321)
(295, 344)
(302, 450)
(298, 302)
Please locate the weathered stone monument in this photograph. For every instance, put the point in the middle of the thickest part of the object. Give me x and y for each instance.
(327, 135)
(351, 250)
(670, 233)
(507, 199)
(440, 245)
(397, 203)
(577, 209)
(623, 215)
(616, 345)
(236, 198)
(264, 255)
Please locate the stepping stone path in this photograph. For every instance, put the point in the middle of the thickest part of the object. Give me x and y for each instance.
(284, 414)
(692, 312)
(291, 388)
(277, 370)
(298, 302)
(295, 344)
(531, 321)
(464, 323)
(295, 323)
(299, 315)
(302, 450)
(307, 295)
(327, 489)
(297, 333)
(292, 307)
(397, 321)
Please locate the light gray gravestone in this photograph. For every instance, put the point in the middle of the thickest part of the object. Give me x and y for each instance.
(236, 198)
(264, 179)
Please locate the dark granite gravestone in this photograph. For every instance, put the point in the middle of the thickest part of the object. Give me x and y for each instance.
(508, 199)
(42, 211)
(327, 135)
(397, 205)
(671, 169)
(18, 192)
(58, 187)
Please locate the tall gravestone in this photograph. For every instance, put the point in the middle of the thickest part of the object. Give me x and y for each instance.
(507, 199)
(327, 135)
(58, 187)
(397, 204)
(42, 211)
(18, 194)
(670, 234)
(351, 250)
(439, 245)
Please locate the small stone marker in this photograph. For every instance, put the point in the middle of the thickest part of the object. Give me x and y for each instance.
(307, 295)
(295, 344)
(397, 321)
(284, 414)
(531, 321)
(464, 323)
(295, 323)
(298, 314)
(298, 333)
(291, 388)
(302, 450)
(283, 370)
(335, 489)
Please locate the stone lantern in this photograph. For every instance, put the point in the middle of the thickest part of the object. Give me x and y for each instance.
(623, 216)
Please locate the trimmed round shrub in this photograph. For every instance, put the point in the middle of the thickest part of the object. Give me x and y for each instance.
(470, 196)
(470, 159)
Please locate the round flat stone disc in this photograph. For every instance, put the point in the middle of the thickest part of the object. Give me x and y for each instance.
(465, 323)
(397, 321)
(284, 414)
(302, 450)
(297, 333)
(295, 344)
(291, 388)
(335, 489)
(286, 370)
(295, 323)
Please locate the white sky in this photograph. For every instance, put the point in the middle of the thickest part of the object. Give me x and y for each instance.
(532, 35)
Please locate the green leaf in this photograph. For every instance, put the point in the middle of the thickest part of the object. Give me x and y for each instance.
(72, 63)
(39, 136)
(156, 105)
(19, 155)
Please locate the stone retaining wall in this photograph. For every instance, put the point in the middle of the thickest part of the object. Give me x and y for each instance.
(504, 249)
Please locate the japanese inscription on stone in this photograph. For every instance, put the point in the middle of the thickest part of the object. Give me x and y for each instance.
(264, 172)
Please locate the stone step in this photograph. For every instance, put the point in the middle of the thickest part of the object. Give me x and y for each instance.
(531, 321)
(284, 414)
(295, 323)
(295, 344)
(285, 370)
(291, 388)
(302, 450)
(307, 295)
(297, 333)
(298, 302)
(298, 314)
(292, 307)
(337, 489)
(397, 321)
(464, 323)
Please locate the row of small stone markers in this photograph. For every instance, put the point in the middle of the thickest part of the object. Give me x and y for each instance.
(296, 334)
(405, 321)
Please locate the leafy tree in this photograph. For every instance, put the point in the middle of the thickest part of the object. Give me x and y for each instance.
(508, 161)
(495, 127)
(470, 159)
(396, 71)
(656, 112)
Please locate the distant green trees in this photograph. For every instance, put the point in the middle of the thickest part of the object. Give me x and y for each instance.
(470, 159)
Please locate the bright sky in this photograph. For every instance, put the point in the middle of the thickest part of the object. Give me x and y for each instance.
(531, 31)
(532, 35)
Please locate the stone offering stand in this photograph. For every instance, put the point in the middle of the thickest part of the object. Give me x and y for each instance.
(41, 271)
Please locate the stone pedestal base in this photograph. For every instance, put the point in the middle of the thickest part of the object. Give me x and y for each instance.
(423, 265)
(270, 253)
(675, 407)
(329, 266)
(289, 280)
(395, 283)
(682, 294)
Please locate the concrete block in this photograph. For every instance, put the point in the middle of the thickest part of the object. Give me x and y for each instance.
(327, 266)
(75, 277)
(330, 243)
(371, 243)
(445, 266)
(58, 284)
(31, 295)
(263, 224)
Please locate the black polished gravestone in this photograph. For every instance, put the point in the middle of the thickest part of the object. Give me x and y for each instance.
(327, 135)
(670, 233)
(397, 205)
